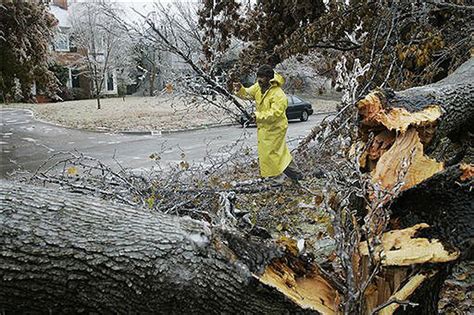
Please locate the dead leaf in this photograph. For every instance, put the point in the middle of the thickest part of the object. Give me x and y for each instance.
(72, 171)
(467, 171)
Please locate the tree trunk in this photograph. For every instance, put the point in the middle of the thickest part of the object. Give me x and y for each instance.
(446, 202)
(408, 126)
(152, 79)
(98, 101)
(66, 253)
(404, 134)
(454, 94)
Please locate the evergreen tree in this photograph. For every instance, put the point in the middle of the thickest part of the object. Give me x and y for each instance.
(26, 32)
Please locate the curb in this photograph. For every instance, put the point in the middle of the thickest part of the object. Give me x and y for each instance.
(125, 132)
(138, 132)
(169, 131)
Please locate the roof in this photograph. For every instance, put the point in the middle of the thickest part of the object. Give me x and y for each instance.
(61, 15)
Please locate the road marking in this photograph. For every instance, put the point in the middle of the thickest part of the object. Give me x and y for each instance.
(29, 139)
(48, 148)
(18, 123)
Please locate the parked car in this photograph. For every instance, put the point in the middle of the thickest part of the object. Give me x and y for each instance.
(297, 109)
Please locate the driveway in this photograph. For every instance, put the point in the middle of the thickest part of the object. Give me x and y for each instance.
(27, 143)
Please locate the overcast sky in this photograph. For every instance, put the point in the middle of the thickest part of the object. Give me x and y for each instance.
(142, 6)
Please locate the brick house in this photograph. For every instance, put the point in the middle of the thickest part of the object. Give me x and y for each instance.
(68, 56)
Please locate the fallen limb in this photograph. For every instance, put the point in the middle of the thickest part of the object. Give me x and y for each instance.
(66, 252)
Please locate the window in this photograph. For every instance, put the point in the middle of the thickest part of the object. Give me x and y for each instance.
(61, 42)
(297, 100)
(75, 78)
(110, 82)
(97, 47)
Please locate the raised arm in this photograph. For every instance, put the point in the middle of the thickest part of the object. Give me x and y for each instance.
(246, 93)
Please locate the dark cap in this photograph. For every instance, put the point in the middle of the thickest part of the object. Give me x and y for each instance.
(265, 71)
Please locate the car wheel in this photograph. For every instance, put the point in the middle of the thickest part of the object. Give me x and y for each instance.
(304, 116)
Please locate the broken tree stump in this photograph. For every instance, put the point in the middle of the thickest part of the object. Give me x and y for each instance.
(404, 134)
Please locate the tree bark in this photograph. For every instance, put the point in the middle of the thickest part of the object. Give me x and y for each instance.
(446, 202)
(454, 94)
(67, 253)
(438, 110)
(401, 131)
(409, 126)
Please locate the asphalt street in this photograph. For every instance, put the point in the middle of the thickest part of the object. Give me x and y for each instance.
(26, 143)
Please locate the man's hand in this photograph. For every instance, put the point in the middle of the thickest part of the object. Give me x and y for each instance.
(237, 86)
(253, 118)
(249, 120)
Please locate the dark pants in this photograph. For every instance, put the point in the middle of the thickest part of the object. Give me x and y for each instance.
(293, 172)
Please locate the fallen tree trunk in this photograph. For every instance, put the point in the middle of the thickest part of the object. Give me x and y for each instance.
(404, 127)
(401, 131)
(69, 253)
(441, 109)
(65, 253)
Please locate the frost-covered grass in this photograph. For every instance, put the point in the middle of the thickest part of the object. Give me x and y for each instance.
(137, 113)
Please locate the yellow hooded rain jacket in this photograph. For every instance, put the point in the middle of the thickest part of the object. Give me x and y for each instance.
(272, 124)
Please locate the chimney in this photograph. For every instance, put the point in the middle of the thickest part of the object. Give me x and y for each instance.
(61, 3)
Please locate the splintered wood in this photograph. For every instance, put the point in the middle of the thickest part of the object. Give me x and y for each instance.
(404, 293)
(398, 147)
(310, 291)
(406, 154)
(402, 248)
(467, 171)
(374, 114)
(399, 251)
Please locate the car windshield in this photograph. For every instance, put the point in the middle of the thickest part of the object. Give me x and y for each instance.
(297, 100)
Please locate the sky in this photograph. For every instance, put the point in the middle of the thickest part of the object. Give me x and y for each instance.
(142, 6)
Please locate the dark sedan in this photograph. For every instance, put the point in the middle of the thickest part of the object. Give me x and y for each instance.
(297, 109)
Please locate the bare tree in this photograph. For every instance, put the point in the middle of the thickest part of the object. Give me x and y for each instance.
(173, 30)
(103, 46)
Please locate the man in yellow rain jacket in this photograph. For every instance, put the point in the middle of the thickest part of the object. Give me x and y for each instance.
(270, 115)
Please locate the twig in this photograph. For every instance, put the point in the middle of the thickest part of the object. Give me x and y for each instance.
(392, 301)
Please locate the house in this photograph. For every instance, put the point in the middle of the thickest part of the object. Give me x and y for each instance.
(67, 55)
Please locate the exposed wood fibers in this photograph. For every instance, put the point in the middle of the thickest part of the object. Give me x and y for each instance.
(374, 114)
(407, 147)
(310, 291)
(402, 139)
(467, 171)
(402, 248)
(405, 292)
